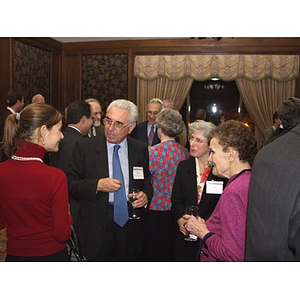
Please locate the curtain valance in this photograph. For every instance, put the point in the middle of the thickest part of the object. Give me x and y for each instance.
(225, 67)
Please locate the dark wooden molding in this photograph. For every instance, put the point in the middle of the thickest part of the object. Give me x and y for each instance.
(226, 45)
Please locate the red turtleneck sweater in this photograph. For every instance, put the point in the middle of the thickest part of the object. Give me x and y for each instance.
(34, 204)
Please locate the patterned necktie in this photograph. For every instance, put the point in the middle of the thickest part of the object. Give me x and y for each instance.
(151, 136)
(120, 199)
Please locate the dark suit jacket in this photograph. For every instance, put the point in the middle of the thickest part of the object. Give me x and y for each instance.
(3, 117)
(185, 191)
(88, 164)
(99, 130)
(61, 158)
(273, 226)
(140, 133)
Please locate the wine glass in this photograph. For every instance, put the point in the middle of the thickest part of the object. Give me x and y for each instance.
(132, 197)
(192, 210)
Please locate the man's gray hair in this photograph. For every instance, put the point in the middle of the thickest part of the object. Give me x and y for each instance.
(126, 105)
(89, 100)
(156, 100)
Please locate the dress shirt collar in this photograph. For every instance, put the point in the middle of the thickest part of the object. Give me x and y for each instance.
(123, 144)
(11, 110)
(71, 126)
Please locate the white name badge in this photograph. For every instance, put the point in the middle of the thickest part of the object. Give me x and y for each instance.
(138, 173)
(214, 187)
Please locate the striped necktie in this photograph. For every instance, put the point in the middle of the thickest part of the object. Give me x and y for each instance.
(151, 136)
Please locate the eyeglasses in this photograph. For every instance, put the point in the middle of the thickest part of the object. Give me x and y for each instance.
(196, 140)
(118, 125)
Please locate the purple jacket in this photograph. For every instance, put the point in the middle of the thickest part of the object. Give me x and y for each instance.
(228, 222)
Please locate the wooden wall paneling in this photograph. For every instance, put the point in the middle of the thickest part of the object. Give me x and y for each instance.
(130, 89)
(188, 46)
(55, 49)
(79, 77)
(45, 43)
(70, 82)
(6, 69)
(55, 81)
(194, 45)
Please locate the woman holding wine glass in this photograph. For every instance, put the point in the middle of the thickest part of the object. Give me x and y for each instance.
(223, 235)
(194, 185)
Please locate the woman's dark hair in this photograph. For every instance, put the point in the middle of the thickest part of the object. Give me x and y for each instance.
(237, 135)
(289, 113)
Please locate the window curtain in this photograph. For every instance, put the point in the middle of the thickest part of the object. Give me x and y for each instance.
(162, 88)
(264, 81)
(262, 98)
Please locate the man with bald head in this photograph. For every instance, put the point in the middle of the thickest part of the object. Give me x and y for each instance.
(38, 98)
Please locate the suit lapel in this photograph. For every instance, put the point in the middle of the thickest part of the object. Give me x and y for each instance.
(101, 157)
(193, 176)
(132, 154)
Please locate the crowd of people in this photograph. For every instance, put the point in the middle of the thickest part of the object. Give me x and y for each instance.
(150, 191)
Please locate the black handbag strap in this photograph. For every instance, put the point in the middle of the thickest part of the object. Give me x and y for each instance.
(74, 245)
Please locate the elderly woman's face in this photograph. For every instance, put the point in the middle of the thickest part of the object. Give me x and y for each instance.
(219, 159)
(198, 144)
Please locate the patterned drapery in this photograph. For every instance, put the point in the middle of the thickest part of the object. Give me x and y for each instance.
(162, 88)
(225, 67)
(264, 81)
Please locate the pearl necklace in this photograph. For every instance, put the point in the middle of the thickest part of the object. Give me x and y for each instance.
(21, 158)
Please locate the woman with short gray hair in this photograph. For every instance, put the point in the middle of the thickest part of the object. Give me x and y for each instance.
(163, 160)
(192, 187)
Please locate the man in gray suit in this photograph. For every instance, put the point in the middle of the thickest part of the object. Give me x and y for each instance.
(273, 222)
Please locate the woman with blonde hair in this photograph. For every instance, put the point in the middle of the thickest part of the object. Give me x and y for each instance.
(34, 196)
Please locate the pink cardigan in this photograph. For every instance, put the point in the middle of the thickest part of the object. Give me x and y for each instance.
(228, 222)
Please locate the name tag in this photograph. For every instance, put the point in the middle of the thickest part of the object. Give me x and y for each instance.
(138, 173)
(214, 187)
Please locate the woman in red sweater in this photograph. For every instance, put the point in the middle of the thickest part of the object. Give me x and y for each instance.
(34, 196)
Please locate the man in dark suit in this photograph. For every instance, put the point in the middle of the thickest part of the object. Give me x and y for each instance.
(79, 123)
(91, 179)
(143, 131)
(273, 220)
(15, 103)
(96, 109)
(288, 115)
